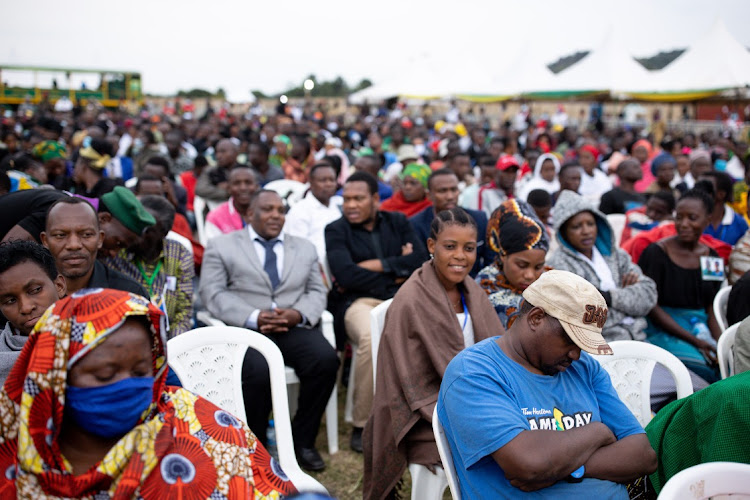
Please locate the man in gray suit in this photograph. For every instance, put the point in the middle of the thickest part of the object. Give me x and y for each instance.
(262, 279)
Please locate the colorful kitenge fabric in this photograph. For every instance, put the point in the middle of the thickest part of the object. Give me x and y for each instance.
(183, 446)
(418, 171)
(48, 150)
(504, 297)
(514, 227)
(173, 281)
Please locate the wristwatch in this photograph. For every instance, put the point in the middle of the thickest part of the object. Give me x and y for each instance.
(577, 475)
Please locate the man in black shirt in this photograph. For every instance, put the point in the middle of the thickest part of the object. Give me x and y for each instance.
(370, 253)
(73, 236)
(624, 197)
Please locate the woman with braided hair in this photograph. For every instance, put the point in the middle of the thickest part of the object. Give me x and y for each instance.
(438, 312)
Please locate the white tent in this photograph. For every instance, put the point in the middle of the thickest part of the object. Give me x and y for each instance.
(607, 68)
(420, 78)
(527, 73)
(714, 62)
(431, 77)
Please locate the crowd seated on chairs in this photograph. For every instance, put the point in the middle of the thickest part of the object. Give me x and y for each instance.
(658, 269)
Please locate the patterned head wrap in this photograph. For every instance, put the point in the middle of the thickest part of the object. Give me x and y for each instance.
(96, 160)
(514, 227)
(49, 150)
(418, 171)
(180, 435)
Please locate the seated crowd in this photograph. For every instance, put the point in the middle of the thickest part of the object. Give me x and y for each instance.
(507, 256)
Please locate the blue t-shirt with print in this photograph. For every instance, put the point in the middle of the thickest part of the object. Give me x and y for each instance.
(486, 399)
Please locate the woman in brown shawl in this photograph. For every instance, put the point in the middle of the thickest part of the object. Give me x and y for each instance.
(438, 312)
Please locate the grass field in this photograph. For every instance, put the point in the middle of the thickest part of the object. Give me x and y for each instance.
(343, 474)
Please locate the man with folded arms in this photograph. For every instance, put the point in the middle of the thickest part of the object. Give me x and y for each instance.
(530, 412)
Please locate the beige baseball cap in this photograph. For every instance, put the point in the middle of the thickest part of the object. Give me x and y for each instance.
(576, 303)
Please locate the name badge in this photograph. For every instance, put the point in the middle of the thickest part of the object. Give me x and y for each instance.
(712, 269)
(171, 283)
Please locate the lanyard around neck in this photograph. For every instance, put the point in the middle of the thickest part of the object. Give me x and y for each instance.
(466, 310)
(149, 278)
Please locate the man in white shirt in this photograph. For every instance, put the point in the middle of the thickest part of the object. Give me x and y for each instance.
(262, 279)
(309, 217)
(594, 182)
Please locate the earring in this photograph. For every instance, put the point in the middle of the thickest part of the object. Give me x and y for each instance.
(432, 256)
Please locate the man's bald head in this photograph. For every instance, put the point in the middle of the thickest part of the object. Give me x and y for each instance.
(226, 153)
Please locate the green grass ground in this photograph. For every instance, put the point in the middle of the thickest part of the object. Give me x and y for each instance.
(343, 473)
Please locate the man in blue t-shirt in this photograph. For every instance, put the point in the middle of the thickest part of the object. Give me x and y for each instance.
(529, 415)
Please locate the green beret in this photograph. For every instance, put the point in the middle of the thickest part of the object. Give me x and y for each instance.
(125, 207)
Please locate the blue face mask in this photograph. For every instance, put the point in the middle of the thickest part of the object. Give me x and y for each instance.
(110, 410)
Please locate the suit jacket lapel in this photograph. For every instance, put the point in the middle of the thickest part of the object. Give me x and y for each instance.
(248, 246)
(290, 251)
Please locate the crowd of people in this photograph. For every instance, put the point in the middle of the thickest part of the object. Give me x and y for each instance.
(509, 251)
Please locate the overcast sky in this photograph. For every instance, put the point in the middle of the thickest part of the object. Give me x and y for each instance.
(271, 45)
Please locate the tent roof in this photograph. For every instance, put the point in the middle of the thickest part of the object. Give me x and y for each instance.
(608, 68)
(427, 78)
(525, 74)
(716, 61)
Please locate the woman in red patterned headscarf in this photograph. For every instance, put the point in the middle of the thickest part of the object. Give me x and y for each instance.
(85, 413)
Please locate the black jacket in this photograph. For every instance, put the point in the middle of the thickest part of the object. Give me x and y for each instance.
(104, 277)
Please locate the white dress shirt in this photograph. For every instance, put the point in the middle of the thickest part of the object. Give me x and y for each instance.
(278, 249)
(308, 219)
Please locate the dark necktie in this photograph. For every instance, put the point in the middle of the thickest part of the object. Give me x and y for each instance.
(269, 266)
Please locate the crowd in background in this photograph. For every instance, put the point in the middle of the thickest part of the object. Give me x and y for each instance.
(655, 219)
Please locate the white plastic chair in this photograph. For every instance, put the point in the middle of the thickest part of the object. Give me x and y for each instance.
(720, 307)
(617, 221)
(377, 322)
(349, 404)
(724, 354)
(292, 381)
(208, 361)
(290, 191)
(199, 209)
(631, 367)
(424, 484)
(708, 480)
(444, 448)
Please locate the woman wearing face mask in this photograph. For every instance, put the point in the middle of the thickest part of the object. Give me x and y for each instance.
(688, 273)
(587, 248)
(521, 243)
(438, 312)
(85, 412)
(545, 176)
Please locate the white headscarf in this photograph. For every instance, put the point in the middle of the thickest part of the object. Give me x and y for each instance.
(537, 182)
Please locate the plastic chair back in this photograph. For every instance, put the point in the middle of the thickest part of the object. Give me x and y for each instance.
(290, 191)
(720, 307)
(208, 362)
(444, 449)
(377, 321)
(708, 480)
(630, 369)
(617, 221)
(724, 354)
